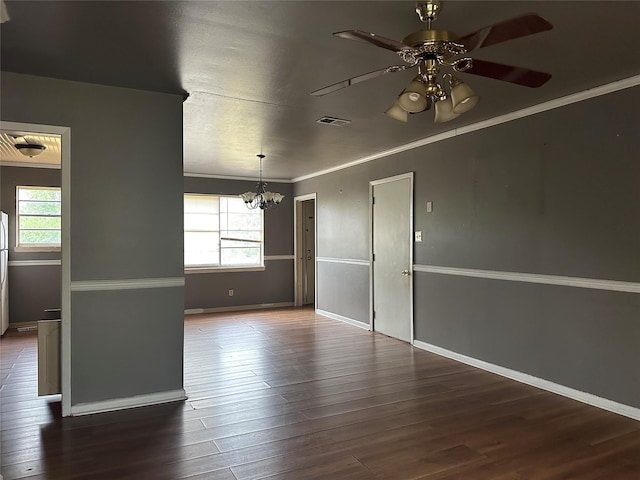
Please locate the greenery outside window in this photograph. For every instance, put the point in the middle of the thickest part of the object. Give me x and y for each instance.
(38, 218)
(220, 232)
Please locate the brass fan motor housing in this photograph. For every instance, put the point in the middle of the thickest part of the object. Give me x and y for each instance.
(429, 10)
(416, 39)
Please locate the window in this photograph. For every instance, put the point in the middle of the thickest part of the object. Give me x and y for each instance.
(221, 232)
(38, 212)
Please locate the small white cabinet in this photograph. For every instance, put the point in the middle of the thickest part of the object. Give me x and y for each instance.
(49, 357)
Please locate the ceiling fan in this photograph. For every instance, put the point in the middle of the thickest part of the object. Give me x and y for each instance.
(430, 50)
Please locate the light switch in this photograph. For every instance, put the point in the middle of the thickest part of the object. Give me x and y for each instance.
(418, 236)
(429, 207)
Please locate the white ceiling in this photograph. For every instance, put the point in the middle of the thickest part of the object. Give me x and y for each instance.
(249, 67)
(10, 155)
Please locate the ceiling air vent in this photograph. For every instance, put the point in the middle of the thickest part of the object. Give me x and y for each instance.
(336, 122)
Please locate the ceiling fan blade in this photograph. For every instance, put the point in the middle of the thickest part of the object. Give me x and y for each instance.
(359, 79)
(507, 73)
(377, 40)
(517, 27)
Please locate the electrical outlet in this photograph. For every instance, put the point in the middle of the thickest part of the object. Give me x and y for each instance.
(418, 236)
(429, 207)
(231, 292)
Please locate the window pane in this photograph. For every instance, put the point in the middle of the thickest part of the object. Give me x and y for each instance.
(45, 237)
(45, 223)
(221, 231)
(38, 216)
(201, 248)
(39, 194)
(201, 221)
(201, 259)
(201, 204)
(243, 235)
(201, 241)
(245, 221)
(241, 256)
(235, 243)
(237, 205)
(39, 208)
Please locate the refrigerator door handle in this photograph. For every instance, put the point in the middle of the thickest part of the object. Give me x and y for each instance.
(4, 237)
(4, 262)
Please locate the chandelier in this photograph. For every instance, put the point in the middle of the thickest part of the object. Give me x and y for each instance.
(261, 198)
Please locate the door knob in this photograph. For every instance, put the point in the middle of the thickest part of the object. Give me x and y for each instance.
(406, 273)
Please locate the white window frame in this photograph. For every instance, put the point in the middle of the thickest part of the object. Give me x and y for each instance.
(34, 247)
(227, 268)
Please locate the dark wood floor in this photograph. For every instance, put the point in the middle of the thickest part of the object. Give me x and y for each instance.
(287, 394)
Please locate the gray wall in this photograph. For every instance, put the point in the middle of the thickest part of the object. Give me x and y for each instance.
(32, 288)
(126, 223)
(556, 193)
(275, 283)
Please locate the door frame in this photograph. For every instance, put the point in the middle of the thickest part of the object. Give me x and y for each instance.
(372, 183)
(298, 225)
(65, 301)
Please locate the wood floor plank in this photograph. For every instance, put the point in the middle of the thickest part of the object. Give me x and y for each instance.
(287, 394)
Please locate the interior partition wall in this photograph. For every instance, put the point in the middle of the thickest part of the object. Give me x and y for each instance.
(125, 223)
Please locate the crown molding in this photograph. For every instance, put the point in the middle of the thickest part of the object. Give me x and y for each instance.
(230, 177)
(508, 117)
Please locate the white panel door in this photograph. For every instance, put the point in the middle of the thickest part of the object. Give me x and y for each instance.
(4, 291)
(392, 245)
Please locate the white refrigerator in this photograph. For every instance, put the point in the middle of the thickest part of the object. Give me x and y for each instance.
(4, 260)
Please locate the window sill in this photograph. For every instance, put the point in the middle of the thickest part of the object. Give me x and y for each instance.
(195, 270)
(36, 249)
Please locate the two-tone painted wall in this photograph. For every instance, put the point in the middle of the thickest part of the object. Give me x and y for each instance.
(529, 259)
(36, 276)
(526, 214)
(123, 187)
(272, 286)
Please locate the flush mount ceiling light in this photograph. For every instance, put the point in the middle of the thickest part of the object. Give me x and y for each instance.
(29, 149)
(434, 52)
(261, 198)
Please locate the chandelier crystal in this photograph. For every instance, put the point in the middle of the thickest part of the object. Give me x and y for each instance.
(261, 198)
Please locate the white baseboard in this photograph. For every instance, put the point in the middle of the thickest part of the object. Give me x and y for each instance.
(130, 402)
(237, 308)
(578, 395)
(17, 325)
(34, 263)
(340, 318)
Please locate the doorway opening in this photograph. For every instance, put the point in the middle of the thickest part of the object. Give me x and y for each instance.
(61, 138)
(305, 250)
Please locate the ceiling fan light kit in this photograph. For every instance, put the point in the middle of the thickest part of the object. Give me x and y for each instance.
(396, 112)
(435, 52)
(414, 97)
(463, 98)
(444, 111)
